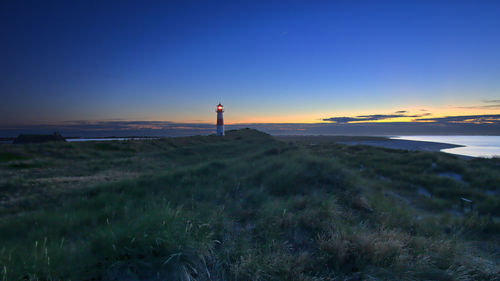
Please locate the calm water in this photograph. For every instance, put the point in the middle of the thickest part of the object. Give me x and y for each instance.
(476, 146)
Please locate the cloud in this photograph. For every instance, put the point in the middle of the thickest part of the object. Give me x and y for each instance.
(491, 101)
(341, 119)
(373, 117)
(469, 119)
(490, 104)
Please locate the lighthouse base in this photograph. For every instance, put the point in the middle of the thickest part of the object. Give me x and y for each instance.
(220, 131)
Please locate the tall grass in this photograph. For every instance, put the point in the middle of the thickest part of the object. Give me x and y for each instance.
(242, 207)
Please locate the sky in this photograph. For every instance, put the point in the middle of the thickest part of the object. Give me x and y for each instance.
(300, 62)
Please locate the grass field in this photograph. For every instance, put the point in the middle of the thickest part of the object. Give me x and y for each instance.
(245, 207)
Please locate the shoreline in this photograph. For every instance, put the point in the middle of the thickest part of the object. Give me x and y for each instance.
(412, 145)
(377, 141)
(406, 144)
(384, 142)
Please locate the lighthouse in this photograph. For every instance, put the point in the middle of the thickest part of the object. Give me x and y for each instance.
(220, 120)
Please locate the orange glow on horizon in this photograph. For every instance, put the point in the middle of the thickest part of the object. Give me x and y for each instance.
(235, 117)
(416, 114)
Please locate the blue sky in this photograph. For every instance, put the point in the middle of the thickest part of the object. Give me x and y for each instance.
(266, 61)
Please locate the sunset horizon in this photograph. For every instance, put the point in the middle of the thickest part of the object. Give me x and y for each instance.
(330, 62)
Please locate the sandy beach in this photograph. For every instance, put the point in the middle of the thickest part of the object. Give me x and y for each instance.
(405, 144)
(373, 141)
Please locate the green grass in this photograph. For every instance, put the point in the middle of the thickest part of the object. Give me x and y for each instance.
(243, 207)
(9, 156)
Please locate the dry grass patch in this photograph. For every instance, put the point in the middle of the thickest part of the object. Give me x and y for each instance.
(354, 251)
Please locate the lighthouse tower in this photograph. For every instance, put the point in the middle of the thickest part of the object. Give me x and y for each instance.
(220, 120)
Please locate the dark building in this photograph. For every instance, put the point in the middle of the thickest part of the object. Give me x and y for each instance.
(22, 138)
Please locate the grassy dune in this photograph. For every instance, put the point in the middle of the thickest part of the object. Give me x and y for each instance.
(245, 207)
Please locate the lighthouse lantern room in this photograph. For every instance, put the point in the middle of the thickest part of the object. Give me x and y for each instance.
(220, 120)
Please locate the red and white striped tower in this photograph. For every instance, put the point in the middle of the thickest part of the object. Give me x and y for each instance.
(220, 120)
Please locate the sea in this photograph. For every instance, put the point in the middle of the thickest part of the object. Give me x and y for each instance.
(475, 146)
